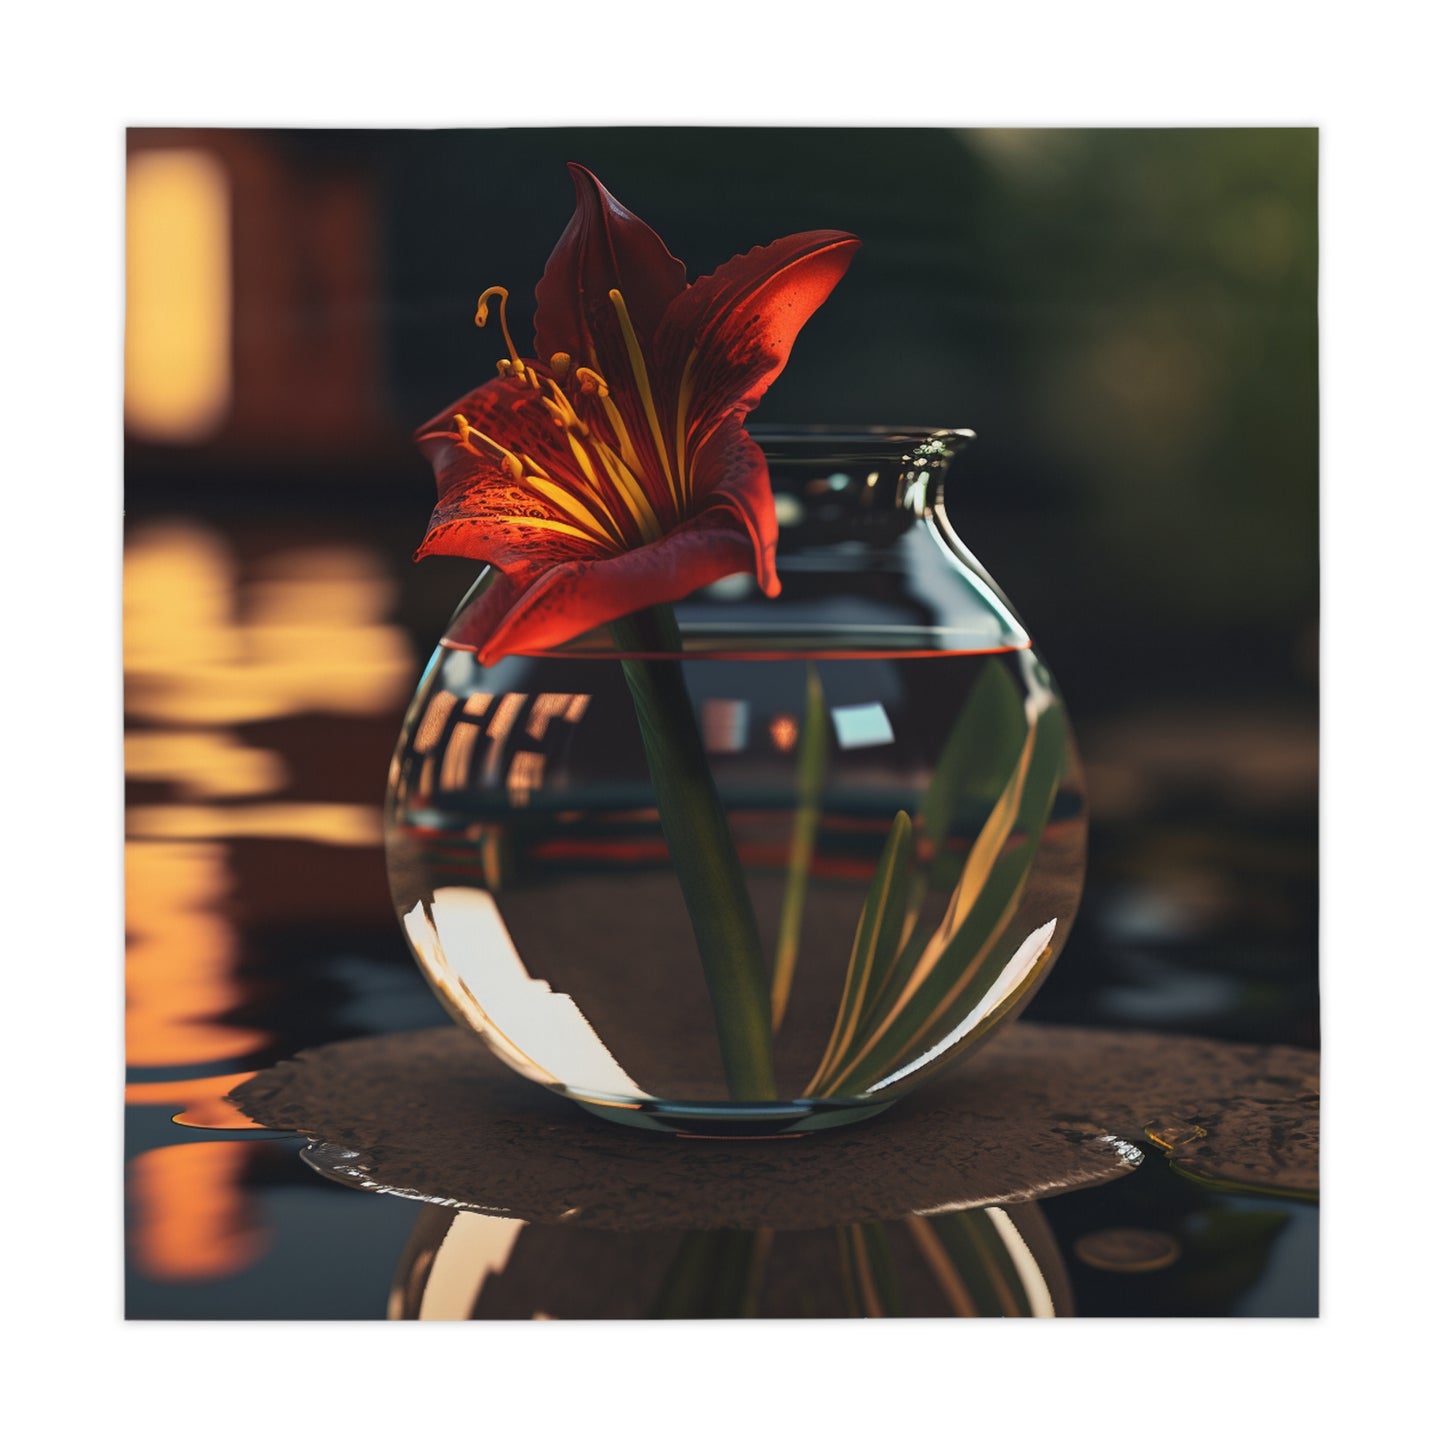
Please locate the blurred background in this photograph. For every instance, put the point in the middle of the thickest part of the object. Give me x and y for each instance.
(1127, 318)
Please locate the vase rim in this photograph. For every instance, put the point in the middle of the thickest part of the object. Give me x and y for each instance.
(907, 435)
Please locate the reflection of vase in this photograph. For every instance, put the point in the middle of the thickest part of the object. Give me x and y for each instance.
(891, 677)
(988, 1263)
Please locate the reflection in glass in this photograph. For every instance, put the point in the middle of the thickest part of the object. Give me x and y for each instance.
(979, 1263)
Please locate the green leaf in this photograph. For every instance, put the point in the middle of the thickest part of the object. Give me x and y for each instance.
(974, 766)
(812, 771)
(875, 943)
(966, 954)
(974, 770)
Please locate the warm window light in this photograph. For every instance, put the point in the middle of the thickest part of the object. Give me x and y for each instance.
(784, 732)
(178, 295)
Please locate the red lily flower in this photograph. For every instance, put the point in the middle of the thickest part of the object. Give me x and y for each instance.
(611, 471)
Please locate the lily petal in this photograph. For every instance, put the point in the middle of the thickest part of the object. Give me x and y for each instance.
(738, 482)
(739, 323)
(571, 598)
(604, 248)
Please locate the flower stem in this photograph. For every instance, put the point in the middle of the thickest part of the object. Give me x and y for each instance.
(703, 854)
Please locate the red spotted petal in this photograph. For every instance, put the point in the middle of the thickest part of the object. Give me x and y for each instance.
(478, 497)
(571, 598)
(740, 322)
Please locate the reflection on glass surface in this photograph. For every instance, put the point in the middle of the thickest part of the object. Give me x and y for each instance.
(979, 1263)
(542, 1034)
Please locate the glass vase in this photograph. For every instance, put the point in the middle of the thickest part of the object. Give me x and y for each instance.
(901, 795)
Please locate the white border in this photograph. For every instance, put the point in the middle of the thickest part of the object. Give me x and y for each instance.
(1367, 77)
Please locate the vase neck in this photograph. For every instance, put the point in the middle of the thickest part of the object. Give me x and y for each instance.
(867, 483)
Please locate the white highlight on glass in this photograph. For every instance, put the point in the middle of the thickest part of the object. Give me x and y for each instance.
(1036, 1287)
(862, 725)
(732, 588)
(476, 1247)
(541, 1034)
(1015, 971)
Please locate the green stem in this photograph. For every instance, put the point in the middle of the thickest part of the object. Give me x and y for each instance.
(703, 854)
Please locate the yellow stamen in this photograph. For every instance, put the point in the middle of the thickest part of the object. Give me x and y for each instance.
(466, 431)
(574, 507)
(619, 429)
(559, 414)
(481, 319)
(592, 383)
(462, 429)
(631, 491)
(560, 362)
(579, 452)
(546, 524)
(644, 389)
(561, 407)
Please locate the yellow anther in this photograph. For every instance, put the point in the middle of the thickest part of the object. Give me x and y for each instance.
(482, 310)
(503, 296)
(463, 434)
(466, 431)
(561, 363)
(591, 382)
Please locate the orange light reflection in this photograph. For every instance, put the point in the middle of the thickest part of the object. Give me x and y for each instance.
(524, 777)
(200, 1103)
(179, 959)
(191, 1220)
(311, 635)
(784, 732)
(211, 764)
